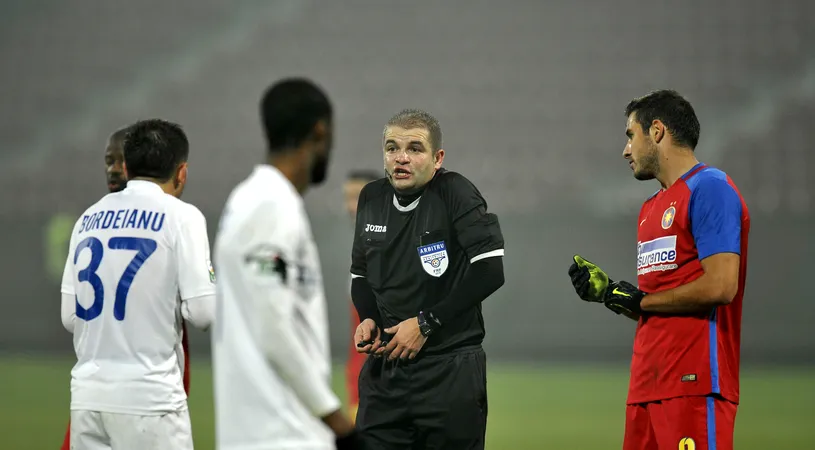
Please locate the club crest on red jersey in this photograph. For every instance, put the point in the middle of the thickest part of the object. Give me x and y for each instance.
(668, 217)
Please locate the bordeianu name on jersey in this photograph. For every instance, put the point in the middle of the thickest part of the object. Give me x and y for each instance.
(656, 255)
(122, 219)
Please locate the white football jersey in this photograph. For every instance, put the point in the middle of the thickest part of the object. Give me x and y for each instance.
(272, 366)
(133, 255)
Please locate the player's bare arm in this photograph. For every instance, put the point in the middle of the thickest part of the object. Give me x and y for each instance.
(716, 287)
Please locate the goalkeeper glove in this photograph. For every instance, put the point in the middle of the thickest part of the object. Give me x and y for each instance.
(593, 285)
(623, 297)
(589, 281)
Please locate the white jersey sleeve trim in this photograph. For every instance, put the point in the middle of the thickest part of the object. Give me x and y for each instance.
(353, 275)
(491, 254)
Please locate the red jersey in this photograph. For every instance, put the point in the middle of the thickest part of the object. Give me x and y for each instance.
(700, 215)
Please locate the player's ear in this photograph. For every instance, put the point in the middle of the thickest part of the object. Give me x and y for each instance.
(438, 158)
(181, 174)
(320, 131)
(657, 131)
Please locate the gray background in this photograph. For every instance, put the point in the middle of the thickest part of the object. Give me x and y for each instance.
(530, 97)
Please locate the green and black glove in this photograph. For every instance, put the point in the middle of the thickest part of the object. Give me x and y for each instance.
(623, 297)
(593, 285)
(589, 281)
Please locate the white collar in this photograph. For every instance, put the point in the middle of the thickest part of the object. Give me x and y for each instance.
(407, 208)
(143, 185)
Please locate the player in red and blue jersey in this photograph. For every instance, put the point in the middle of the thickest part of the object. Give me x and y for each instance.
(691, 265)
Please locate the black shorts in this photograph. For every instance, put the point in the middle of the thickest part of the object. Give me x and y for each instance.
(432, 402)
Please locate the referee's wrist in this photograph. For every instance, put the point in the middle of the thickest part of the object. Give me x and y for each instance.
(428, 322)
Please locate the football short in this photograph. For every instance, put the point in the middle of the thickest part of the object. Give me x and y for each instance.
(684, 423)
(93, 430)
(436, 402)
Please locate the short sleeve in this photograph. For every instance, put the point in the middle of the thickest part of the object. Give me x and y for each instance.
(478, 231)
(196, 276)
(715, 217)
(358, 263)
(271, 239)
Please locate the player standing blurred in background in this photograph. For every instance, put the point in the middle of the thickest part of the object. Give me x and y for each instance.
(114, 161)
(691, 268)
(353, 186)
(426, 254)
(271, 353)
(116, 181)
(131, 255)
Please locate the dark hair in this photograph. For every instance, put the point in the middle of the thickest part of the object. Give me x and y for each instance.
(364, 175)
(155, 148)
(416, 118)
(673, 110)
(290, 109)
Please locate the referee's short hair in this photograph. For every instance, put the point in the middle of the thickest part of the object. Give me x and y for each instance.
(290, 109)
(417, 118)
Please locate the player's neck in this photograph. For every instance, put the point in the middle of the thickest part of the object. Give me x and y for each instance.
(288, 165)
(674, 165)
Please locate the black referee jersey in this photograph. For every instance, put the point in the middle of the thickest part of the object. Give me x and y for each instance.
(414, 253)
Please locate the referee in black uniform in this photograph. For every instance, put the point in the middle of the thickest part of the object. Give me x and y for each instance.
(426, 253)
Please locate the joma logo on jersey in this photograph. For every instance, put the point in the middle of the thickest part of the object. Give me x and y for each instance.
(434, 258)
(656, 255)
(376, 228)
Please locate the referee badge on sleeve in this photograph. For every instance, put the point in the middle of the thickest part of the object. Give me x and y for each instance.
(434, 258)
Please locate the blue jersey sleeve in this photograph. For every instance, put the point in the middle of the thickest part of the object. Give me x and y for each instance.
(715, 214)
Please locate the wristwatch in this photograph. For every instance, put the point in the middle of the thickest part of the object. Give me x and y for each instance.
(427, 323)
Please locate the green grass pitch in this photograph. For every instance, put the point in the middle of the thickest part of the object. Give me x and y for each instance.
(530, 407)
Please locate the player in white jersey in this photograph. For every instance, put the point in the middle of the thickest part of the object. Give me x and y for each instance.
(272, 366)
(132, 255)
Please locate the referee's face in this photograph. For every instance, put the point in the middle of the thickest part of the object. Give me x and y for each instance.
(409, 158)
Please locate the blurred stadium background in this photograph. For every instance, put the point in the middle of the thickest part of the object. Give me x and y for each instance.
(530, 96)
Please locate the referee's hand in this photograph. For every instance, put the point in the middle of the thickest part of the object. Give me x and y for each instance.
(366, 337)
(407, 340)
